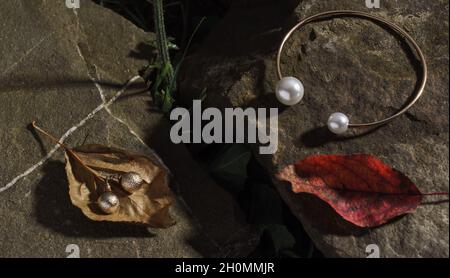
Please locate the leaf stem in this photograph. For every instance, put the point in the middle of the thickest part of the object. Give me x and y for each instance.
(49, 136)
(68, 150)
(436, 194)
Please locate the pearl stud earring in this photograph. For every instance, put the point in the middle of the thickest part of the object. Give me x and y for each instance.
(289, 90)
(338, 123)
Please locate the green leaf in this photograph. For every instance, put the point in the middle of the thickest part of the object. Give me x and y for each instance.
(282, 239)
(171, 43)
(231, 164)
(289, 253)
(266, 213)
(167, 102)
(172, 85)
(159, 80)
(266, 206)
(203, 94)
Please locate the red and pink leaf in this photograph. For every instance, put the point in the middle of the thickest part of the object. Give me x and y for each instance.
(360, 188)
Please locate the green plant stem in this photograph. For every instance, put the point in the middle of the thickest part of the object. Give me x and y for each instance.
(161, 38)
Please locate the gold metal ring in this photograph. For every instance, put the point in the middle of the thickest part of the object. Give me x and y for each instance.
(399, 30)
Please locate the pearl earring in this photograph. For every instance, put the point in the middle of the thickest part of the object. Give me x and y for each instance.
(338, 123)
(289, 90)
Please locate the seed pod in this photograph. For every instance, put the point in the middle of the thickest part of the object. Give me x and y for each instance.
(131, 182)
(108, 202)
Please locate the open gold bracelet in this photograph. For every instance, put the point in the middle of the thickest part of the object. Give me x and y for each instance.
(290, 90)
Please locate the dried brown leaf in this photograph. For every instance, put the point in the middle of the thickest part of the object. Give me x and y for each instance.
(149, 205)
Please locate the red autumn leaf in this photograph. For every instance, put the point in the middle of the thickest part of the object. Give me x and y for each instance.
(360, 188)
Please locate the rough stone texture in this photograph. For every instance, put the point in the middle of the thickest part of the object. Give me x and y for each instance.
(57, 67)
(347, 65)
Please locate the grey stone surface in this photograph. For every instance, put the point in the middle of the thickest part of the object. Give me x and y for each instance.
(351, 66)
(59, 67)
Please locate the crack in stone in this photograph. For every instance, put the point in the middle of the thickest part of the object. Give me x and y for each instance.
(27, 53)
(104, 105)
(136, 246)
(67, 134)
(103, 98)
(95, 80)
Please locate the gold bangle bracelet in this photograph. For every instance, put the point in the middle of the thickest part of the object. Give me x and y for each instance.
(299, 87)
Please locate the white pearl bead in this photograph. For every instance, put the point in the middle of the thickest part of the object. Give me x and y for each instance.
(289, 91)
(338, 123)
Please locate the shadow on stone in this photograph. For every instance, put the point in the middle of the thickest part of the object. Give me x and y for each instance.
(36, 82)
(53, 209)
(322, 218)
(38, 139)
(326, 220)
(223, 230)
(265, 94)
(321, 136)
(433, 203)
(143, 51)
(261, 24)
